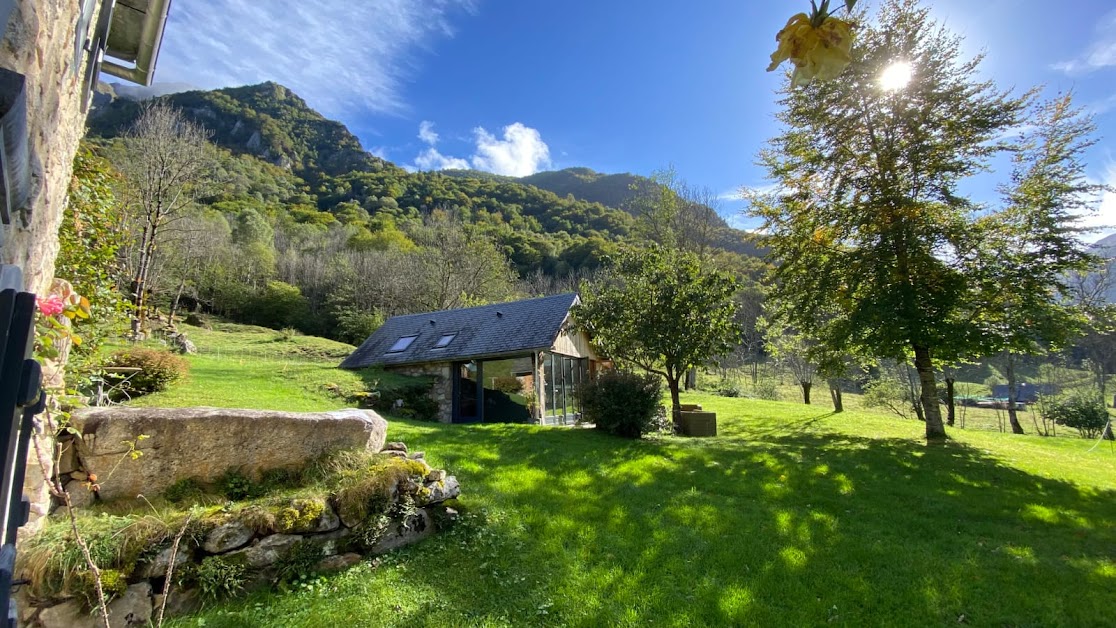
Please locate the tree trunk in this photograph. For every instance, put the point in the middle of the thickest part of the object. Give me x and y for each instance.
(141, 291)
(806, 391)
(675, 402)
(951, 405)
(177, 298)
(835, 395)
(1013, 393)
(141, 272)
(691, 379)
(924, 364)
(1098, 370)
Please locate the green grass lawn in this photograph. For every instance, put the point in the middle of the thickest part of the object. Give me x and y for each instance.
(241, 366)
(792, 516)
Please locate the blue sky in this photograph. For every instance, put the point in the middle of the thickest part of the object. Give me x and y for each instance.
(619, 85)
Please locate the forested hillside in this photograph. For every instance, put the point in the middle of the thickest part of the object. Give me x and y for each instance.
(296, 225)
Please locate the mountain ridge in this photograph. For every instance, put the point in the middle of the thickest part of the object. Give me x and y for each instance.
(270, 122)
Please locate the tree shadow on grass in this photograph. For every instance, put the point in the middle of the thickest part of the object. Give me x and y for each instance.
(787, 529)
(791, 529)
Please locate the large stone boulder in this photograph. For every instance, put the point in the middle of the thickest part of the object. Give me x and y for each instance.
(204, 443)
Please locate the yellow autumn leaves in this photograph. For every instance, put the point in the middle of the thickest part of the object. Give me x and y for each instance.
(818, 45)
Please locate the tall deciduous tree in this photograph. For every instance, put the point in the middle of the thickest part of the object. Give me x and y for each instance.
(661, 311)
(792, 352)
(870, 227)
(457, 266)
(166, 166)
(1032, 247)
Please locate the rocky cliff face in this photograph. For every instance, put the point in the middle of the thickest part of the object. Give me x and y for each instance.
(267, 121)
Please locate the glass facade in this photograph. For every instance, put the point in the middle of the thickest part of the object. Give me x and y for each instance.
(467, 409)
(507, 385)
(508, 391)
(563, 375)
(494, 391)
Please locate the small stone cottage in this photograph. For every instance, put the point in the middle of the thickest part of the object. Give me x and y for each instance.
(510, 362)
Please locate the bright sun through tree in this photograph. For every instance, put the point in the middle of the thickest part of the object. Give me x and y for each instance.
(896, 76)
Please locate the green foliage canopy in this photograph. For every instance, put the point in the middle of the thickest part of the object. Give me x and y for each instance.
(661, 311)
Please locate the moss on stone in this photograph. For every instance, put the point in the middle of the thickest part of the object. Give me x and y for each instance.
(300, 515)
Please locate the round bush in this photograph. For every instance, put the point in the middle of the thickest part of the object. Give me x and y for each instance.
(1084, 413)
(621, 403)
(158, 369)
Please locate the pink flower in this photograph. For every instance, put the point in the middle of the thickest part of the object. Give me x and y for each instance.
(51, 305)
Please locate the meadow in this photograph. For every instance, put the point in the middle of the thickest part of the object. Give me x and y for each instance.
(791, 516)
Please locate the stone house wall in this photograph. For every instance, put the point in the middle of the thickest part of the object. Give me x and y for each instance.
(38, 42)
(442, 390)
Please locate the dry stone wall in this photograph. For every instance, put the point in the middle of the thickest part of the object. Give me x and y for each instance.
(319, 527)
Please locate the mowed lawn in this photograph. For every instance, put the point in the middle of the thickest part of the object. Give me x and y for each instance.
(792, 516)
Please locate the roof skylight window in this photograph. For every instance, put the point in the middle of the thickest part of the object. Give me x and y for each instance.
(444, 341)
(401, 345)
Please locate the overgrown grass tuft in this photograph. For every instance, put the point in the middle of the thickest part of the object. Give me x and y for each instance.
(363, 482)
(53, 563)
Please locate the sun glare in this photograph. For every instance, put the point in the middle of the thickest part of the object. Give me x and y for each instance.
(896, 76)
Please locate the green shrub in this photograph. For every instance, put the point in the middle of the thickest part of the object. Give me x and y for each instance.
(354, 325)
(508, 385)
(729, 389)
(1084, 412)
(277, 306)
(411, 400)
(766, 389)
(219, 577)
(236, 486)
(621, 403)
(300, 560)
(158, 369)
(185, 490)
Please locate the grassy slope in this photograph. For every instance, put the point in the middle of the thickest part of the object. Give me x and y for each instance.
(792, 516)
(256, 367)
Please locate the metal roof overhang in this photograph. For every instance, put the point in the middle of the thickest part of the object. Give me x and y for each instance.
(134, 39)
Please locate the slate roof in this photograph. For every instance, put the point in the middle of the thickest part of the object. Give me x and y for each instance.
(488, 330)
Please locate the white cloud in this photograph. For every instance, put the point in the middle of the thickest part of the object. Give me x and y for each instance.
(1101, 52)
(426, 132)
(343, 57)
(520, 153)
(431, 159)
